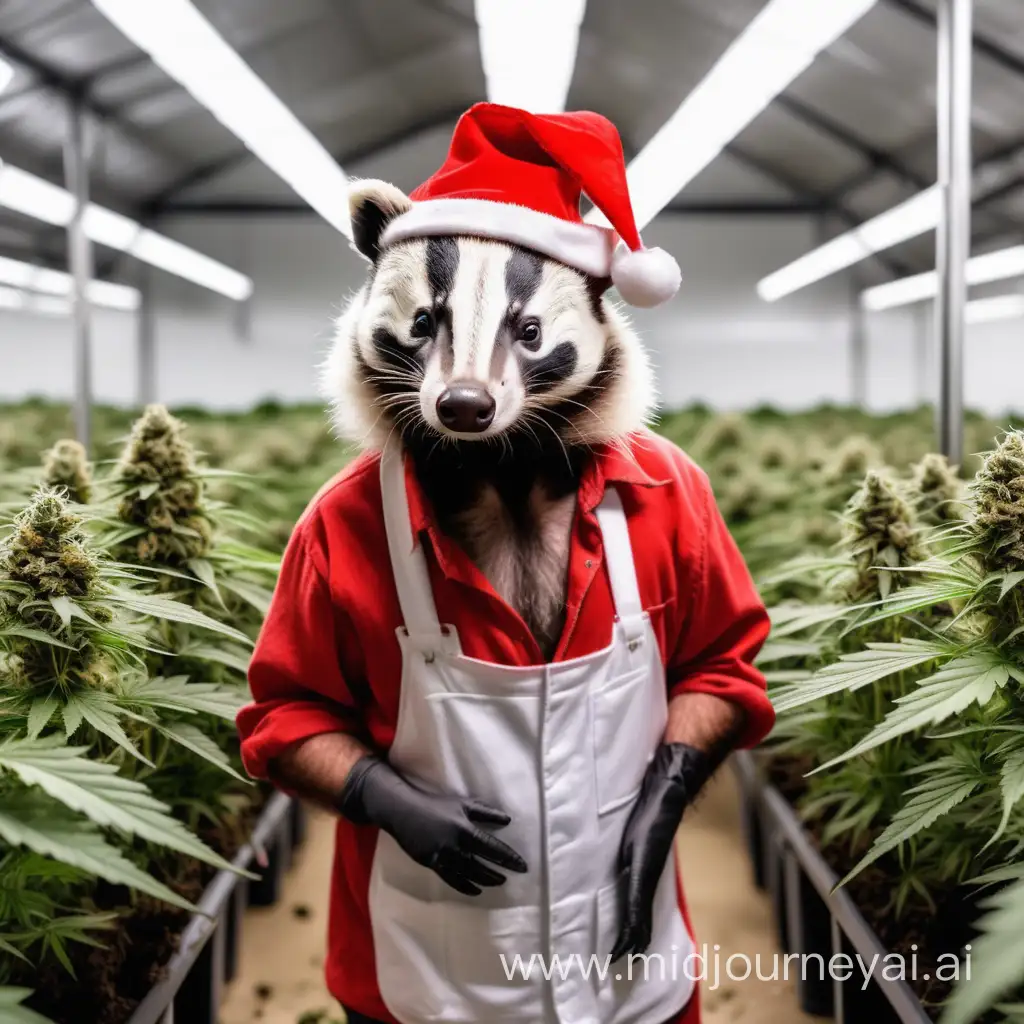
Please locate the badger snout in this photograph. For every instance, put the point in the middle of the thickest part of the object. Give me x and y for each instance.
(466, 408)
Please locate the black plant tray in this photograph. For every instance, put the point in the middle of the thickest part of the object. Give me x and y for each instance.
(811, 918)
(192, 983)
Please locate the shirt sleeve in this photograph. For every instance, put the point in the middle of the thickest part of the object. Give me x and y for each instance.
(294, 675)
(724, 626)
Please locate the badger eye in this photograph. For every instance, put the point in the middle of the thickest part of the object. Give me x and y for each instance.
(423, 324)
(528, 334)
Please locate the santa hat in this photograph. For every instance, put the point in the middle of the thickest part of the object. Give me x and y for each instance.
(518, 177)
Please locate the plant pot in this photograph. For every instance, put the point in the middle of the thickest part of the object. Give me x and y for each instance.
(299, 823)
(192, 982)
(272, 859)
(820, 923)
(750, 817)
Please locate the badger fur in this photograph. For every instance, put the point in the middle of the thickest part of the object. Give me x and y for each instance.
(500, 369)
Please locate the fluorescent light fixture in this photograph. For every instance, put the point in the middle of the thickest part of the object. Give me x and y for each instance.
(778, 45)
(29, 302)
(189, 49)
(999, 307)
(35, 197)
(26, 277)
(907, 220)
(993, 266)
(6, 74)
(42, 200)
(548, 33)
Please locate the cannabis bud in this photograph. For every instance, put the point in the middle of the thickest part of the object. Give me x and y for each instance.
(854, 457)
(936, 490)
(723, 434)
(46, 549)
(164, 494)
(776, 451)
(66, 465)
(880, 532)
(998, 503)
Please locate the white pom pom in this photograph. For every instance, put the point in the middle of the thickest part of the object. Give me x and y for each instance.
(647, 277)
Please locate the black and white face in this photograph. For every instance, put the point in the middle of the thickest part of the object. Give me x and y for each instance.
(471, 339)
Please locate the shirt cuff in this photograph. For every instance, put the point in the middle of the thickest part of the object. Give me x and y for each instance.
(269, 730)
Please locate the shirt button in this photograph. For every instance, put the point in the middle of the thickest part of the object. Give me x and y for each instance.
(588, 563)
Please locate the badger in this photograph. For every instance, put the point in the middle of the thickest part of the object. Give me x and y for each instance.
(499, 369)
(509, 651)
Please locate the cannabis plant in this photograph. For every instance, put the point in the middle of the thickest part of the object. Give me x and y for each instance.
(79, 713)
(880, 546)
(969, 670)
(936, 491)
(173, 532)
(67, 465)
(168, 524)
(74, 629)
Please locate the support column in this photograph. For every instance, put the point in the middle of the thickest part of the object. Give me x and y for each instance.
(76, 176)
(954, 235)
(923, 333)
(858, 346)
(145, 354)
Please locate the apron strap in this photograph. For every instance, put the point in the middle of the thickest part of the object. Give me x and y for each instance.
(618, 554)
(408, 563)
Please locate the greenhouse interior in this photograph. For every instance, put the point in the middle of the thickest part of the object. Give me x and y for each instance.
(511, 511)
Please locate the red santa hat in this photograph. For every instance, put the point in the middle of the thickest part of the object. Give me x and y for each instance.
(518, 177)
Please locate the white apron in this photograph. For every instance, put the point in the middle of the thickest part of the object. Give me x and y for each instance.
(562, 748)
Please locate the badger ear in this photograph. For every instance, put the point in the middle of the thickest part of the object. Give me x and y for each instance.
(373, 205)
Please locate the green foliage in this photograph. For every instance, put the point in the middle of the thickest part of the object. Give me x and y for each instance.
(909, 708)
(107, 705)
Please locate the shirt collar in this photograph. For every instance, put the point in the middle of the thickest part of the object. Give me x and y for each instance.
(609, 464)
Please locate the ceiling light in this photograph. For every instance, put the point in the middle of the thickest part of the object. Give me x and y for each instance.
(999, 307)
(179, 259)
(35, 197)
(907, 220)
(188, 48)
(42, 200)
(6, 74)
(31, 302)
(548, 32)
(29, 278)
(993, 266)
(780, 43)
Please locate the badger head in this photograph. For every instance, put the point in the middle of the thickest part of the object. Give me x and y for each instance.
(469, 341)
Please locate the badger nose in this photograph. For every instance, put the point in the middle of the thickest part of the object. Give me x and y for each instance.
(466, 408)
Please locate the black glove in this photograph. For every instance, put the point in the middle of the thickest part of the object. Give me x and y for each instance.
(439, 832)
(673, 779)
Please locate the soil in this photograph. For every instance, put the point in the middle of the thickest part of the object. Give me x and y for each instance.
(944, 928)
(113, 980)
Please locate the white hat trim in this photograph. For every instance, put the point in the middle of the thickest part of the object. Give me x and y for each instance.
(587, 247)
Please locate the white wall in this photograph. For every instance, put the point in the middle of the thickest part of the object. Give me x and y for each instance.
(717, 342)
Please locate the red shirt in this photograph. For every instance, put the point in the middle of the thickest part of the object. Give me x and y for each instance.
(328, 660)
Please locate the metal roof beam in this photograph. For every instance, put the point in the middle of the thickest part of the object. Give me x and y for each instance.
(71, 87)
(878, 158)
(164, 201)
(827, 204)
(995, 52)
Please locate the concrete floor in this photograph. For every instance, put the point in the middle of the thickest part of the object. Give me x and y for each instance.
(281, 974)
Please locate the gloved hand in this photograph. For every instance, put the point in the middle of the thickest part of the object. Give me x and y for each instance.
(440, 832)
(673, 779)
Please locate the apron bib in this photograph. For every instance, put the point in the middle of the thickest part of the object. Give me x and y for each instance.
(562, 748)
